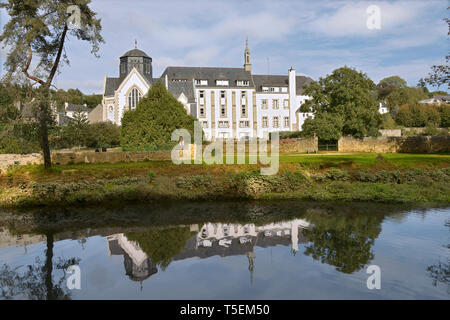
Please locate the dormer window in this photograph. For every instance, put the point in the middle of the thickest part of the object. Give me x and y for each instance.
(199, 82)
(242, 83)
(221, 82)
(179, 80)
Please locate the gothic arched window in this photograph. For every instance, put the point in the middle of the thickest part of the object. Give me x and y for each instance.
(133, 98)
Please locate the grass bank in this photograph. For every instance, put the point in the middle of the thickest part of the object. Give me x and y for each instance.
(391, 178)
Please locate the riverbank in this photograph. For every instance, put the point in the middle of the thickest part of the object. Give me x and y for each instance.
(390, 178)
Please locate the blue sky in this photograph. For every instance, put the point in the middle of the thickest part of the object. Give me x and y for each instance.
(315, 37)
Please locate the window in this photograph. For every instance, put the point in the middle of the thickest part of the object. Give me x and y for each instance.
(110, 108)
(243, 103)
(204, 124)
(275, 122)
(264, 103)
(275, 104)
(221, 82)
(265, 122)
(243, 83)
(284, 89)
(133, 98)
(201, 95)
(265, 89)
(272, 89)
(286, 103)
(286, 122)
(223, 111)
(201, 82)
(179, 80)
(222, 103)
(244, 124)
(223, 124)
(202, 112)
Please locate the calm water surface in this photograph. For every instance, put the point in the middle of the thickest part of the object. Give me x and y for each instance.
(227, 251)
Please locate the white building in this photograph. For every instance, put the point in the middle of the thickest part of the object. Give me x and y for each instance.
(229, 102)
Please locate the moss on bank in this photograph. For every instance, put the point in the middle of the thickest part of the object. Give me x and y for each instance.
(429, 185)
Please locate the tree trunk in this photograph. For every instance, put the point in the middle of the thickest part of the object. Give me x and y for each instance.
(49, 267)
(44, 117)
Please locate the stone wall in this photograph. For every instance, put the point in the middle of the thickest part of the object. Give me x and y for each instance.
(302, 145)
(19, 159)
(391, 132)
(416, 144)
(111, 157)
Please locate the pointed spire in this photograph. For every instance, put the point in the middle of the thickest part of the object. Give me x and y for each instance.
(135, 44)
(247, 64)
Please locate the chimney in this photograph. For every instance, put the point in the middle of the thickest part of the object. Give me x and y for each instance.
(292, 93)
(167, 82)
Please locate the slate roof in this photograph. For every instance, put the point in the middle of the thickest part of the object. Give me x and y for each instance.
(280, 81)
(178, 87)
(209, 73)
(135, 53)
(77, 107)
(112, 84)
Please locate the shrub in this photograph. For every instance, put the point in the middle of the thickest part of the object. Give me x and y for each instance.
(337, 174)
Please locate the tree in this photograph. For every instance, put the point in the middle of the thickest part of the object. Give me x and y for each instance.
(156, 116)
(348, 95)
(440, 74)
(386, 85)
(39, 28)
(326, 126)
(387, 121)
(416, 115)
(103, 134)
(401, 96)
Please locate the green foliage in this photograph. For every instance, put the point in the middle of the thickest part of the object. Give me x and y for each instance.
(346, 102)
(402, 96)
(337, 174)
(387, 122)
(444, 111)
(344, 241)
(161, 245)
(194, 182)
(155, 118)
(103, 134)
(417, 115)
(326, 126)
(15, 135)
(387, 85)
(75, 96)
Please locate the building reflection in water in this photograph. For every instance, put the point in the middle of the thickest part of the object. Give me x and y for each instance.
(138, 266)
(212, 239)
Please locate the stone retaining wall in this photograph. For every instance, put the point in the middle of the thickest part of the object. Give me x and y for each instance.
(302, 145)
(415, 144)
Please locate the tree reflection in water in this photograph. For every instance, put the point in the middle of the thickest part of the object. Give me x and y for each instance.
(343, 240)
(441, 271)
(37, 282)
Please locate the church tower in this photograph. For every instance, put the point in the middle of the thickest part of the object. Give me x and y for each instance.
(247, 64)
(136, 59)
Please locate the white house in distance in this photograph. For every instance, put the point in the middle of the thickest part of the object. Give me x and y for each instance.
(229, 102)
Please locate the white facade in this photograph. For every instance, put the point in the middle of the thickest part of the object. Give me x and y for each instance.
(239, 106)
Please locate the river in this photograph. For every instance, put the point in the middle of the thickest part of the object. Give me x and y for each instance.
(226, 250)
